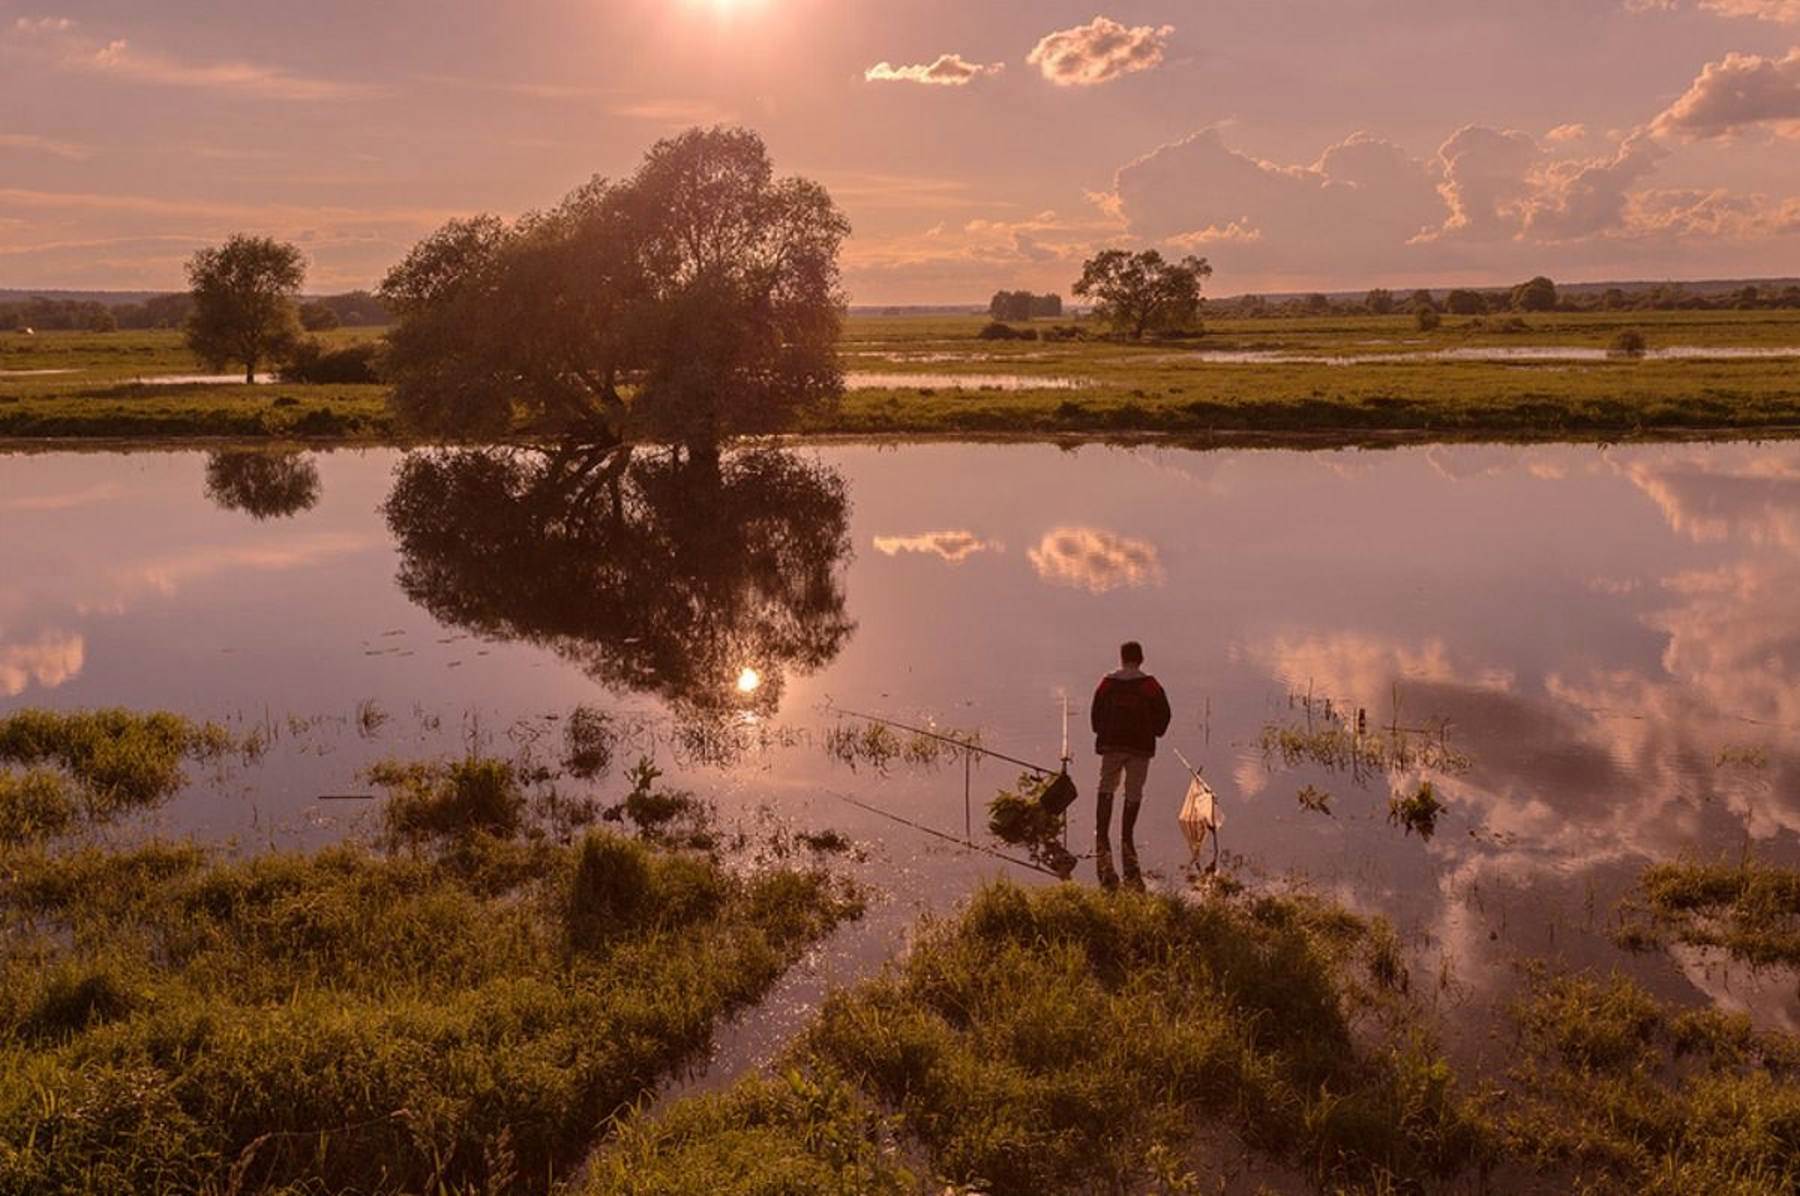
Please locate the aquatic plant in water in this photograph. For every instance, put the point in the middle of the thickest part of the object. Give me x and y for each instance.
(88, 768)
(1746, 908)
(1417, 810)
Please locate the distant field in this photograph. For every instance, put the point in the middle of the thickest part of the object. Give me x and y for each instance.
(933, 375)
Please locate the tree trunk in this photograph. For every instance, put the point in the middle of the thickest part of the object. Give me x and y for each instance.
(250, 372)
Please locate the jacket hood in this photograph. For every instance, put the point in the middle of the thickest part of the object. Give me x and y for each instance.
(1127, 674)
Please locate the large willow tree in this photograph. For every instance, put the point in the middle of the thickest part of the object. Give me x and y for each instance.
(696, 300)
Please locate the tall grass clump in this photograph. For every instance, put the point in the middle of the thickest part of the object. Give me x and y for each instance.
(1748, 909)
(464, 1016)
(88, 768)
(435, 800)
(1065, 1040)
(1625, 1094)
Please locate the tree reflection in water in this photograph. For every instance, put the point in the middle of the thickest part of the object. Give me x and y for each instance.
(702, 579)
(262, 484)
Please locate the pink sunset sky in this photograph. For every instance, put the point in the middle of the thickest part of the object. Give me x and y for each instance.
(1299, 144)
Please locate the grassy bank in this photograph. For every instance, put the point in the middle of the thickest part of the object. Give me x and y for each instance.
(1072, 1041)
(938, 377)
(463, 1011)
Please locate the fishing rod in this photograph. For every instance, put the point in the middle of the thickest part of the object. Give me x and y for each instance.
(966, 845)
(962, 744)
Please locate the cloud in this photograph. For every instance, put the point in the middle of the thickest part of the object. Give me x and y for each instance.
(1568, 132)
(43, 145)
(1349, 210)
(1490, 200)
(1094, 560)
(1099, 52)
(53, 658)
(676, 112)
(949, 70)
(952, 546)
(1738, 93)
(1784, 11)
(118, 59)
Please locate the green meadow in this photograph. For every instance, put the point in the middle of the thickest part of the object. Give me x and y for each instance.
(1368, 381)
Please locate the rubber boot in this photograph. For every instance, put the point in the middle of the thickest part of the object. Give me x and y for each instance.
(1103, 804)
(1127, 819)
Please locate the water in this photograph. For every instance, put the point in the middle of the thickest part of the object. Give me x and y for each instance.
(1525, 354)
(862, 380)
(1610, 636)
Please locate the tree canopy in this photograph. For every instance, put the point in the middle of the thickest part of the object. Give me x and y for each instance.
(245, 296)
(1141, 293)
(1537, 295)
(696, 300)
(263, 485)
(655, 573)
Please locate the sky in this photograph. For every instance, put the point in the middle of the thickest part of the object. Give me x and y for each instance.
(975, 146)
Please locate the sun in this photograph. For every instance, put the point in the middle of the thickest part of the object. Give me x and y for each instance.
(749, 681)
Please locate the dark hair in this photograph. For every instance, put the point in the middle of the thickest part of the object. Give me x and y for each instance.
(1131, 652)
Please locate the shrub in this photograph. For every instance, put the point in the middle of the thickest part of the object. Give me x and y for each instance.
(437, 801)
(314, 364)
(996, 331)
(1427, 319)
(1628, 343)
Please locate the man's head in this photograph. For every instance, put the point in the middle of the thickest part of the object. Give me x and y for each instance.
(1131, 654)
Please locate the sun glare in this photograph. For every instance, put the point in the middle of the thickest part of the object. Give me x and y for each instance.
(749, 681)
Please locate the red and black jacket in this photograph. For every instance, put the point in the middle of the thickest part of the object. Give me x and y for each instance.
(1129, 714)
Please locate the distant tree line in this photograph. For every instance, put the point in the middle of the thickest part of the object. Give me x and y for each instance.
(349, 310)
(1023, 305)
(1536, 295)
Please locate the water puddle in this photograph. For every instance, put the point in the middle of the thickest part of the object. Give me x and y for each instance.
(1500, 353)
(927, 381)
(201, 380)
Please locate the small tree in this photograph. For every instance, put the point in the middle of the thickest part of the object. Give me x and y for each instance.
(1537, 295)
(1462, 302)
(318, 317)
(1426, 318)
(1379, 302)
(244, 302)
(1422, 298)
(1142, 293)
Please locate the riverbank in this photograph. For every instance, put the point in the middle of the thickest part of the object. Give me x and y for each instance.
(1344, 380)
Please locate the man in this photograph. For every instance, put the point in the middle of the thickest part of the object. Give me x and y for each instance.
(1129, 714)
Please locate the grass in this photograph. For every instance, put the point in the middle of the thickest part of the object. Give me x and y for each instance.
(463, 1017)
(86, 769)
(1748, 909)
(1122, 388)
(1070, 1041)
(1632, 1096)
(1062, 1040)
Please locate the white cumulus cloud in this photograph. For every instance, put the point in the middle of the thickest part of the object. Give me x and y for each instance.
(949, 70)
(1099, 52)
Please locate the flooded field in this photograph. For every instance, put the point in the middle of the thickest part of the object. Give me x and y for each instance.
(1591, 655)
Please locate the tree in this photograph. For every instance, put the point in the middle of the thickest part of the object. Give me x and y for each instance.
(1141, 293)
(1422, 298)
(1426, 318)
(1379, 302)
(655, 575)
(318, 317)
(697, 300)
(262, 485)
(244, 302)
(1465, 303)
(1537, 295)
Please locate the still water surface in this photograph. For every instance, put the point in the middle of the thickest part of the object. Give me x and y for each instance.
(1611, 638)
